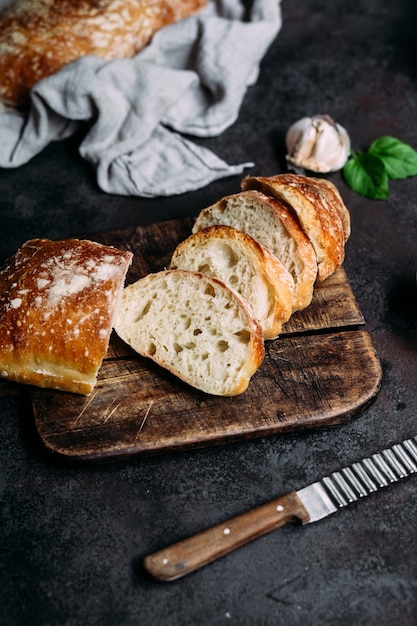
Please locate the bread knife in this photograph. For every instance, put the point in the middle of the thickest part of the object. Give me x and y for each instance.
(306, 505)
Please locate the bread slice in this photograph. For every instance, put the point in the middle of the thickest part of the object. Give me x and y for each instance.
(272, 224)
(244, 265)
(57, 302)
(194, 326)
(318, 218)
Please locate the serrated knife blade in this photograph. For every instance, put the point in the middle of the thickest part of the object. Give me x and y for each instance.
(309, 504)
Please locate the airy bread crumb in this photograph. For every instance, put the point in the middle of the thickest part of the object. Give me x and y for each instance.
(194, 326)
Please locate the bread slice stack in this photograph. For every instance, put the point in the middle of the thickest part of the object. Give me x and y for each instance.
(273, 225)
(252, 260)
(245, 266)
(320, 210)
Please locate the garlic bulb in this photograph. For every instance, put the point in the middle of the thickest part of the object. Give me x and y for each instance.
(318, 144)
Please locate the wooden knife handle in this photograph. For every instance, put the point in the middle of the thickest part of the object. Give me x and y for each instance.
(188, 555)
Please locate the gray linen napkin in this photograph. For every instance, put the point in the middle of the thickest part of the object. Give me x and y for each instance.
(141, 112)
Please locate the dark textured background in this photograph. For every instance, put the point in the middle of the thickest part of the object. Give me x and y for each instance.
(72, 538)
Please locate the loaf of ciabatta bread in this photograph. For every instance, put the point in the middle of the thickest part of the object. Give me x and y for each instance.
(39, 37)
(320, 214)
(272, 224)
(194, 326)
(57, 304)
(244, 265)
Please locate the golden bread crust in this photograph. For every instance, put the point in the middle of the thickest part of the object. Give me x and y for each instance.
(39, 37)
(305, 250)
(333, 196)
(317, 215)
(57, 302)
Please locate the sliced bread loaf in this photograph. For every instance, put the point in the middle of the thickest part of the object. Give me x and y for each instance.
(272, 224)
(194, 326)
(318, 217)
(244, 265)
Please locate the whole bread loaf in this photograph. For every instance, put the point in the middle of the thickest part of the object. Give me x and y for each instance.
(194, 326)
(272, 224)
(244, 265)
(39, 37)
(57, 304)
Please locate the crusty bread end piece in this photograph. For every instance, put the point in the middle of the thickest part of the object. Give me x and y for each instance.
(318, 217)
(272, 224)
(327, 188)
(245, 266)
(57, 302)
(194, 326)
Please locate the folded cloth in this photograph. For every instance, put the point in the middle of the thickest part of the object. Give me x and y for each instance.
(140, 112)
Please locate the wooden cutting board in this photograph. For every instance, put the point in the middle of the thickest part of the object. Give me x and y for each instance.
(321, 371)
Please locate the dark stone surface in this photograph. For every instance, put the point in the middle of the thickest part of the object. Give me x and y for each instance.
(72, 538)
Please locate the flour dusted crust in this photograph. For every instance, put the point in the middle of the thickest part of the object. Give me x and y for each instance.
(39, 37)
(316, 211)
(57, 303)
(245, 266)
(194, 326)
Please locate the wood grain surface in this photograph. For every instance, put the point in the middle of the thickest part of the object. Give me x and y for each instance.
(321, 371)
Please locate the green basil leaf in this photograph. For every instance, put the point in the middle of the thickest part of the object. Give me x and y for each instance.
(366, 174)
(399, 158)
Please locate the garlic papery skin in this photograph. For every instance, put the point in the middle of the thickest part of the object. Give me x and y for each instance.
(317, 144)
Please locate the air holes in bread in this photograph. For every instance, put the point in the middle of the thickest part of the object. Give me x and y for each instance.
(191, 330)
(243, 336)
(209, 290)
